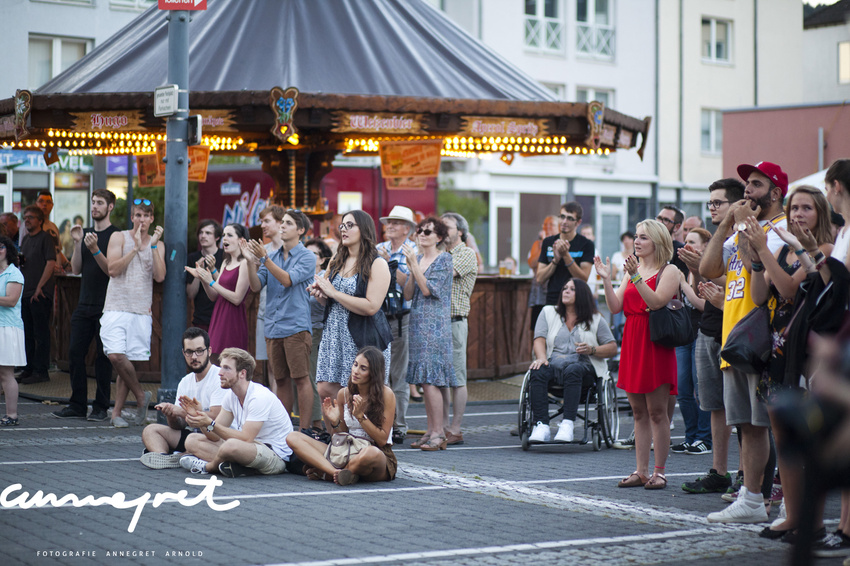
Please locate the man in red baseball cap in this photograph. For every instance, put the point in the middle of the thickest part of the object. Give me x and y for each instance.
(766, 185)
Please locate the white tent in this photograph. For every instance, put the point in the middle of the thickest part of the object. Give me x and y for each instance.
(815, 180)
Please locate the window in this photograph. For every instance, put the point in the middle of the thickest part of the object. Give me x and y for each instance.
(711, 131)
(132, 4)
(595, 28)
(557, 89)
(844, 62)
(49, 56)
(544, 28)
(716, 35)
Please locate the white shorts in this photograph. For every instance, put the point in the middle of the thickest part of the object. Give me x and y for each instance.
(126, 333)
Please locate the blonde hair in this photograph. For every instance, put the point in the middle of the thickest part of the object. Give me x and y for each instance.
(660, 236)
(242, 359)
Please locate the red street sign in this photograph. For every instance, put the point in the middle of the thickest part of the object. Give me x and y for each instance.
(182, 4)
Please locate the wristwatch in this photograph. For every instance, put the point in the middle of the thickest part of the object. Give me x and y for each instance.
(211, 426)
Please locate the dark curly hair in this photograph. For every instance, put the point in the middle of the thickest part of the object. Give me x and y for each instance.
(439, 227)
(11, 250)
(375, 393)
(325, 252)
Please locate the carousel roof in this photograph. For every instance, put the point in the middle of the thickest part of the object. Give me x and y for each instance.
(377, 47)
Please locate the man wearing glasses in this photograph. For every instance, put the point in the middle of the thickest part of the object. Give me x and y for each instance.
(164, 444)
(564, 255)
(135, 260)
(672, 219)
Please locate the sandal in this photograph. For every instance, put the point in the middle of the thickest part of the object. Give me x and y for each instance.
(657, 481)
(434, 444)
(345, 477)
(419, 443)
(8, 421)
(635, 479)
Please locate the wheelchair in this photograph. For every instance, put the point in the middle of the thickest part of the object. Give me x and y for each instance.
(602, 393)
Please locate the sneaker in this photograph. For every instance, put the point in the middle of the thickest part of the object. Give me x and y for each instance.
(142, 409)
(699, 447)
(97, 415)
(193, 464)
(234, 470)
(742, 511)
(119, 422)
(565, 431)
(782, 514)
(776, 493)
(627, 444)
(732, 493)
(68, 413)
(159, 461)
(832, 545)
(398, 438)
(541, 433)
(680, 448)
(672, 424)
(710, 483)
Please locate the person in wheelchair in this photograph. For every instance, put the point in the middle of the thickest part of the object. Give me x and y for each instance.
(571, 340)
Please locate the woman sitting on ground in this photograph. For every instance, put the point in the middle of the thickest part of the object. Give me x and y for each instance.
(368, 407)
(570, 342)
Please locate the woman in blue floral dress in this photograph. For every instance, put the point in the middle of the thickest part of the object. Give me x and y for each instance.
(356, 257)
(430, 338)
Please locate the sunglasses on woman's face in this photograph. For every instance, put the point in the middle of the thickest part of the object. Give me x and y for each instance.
(425, 232)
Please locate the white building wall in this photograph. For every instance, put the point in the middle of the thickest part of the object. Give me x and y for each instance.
(820, 74)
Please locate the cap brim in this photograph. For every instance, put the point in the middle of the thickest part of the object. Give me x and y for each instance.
(384, 219)
(745, 170)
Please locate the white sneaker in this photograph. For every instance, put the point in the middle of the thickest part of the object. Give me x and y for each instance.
(119, 422)
(159, 461)
(541, 433)
(193, 464)
(741, 511)
(781, 518)
(565, 431)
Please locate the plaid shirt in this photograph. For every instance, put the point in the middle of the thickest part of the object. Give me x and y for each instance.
(466, 265)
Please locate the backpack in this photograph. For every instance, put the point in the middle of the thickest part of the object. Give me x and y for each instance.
(394, 301)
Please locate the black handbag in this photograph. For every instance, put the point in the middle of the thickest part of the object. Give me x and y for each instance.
(671, 326)
(369, 330)
(748, 345)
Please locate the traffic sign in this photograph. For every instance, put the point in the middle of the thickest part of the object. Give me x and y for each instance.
(165, 100)
(182, 4)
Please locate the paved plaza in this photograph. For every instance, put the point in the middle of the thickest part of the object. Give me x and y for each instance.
(483, 503)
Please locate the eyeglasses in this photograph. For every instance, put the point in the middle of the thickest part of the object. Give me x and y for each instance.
(424, 232)
(2, 247)
(565, 217)
(144, 201)
(715, 203)
(664, 220)
(194, 353)
(30, 216)
(346, 226)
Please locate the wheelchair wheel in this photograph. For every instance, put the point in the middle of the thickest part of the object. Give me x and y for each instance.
(609, 416)
(524, 413)
(596, 439)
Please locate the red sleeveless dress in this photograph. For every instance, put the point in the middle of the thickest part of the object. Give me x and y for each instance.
(644, 366)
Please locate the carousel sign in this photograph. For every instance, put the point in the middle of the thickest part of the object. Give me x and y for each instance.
(114, 120)
(378, 122)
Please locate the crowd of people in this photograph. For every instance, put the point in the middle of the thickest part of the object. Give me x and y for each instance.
(350, 335)
(784, 254)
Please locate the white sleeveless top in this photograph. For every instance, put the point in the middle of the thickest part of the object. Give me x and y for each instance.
(356, 429)
(842, 244)
(132, 290)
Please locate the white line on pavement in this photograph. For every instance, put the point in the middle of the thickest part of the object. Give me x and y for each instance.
(22, 429)
(507, 548)
(93, 461)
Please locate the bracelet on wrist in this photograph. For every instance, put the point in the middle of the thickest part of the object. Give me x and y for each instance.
(153, 247)
(214, 271)
(263, 259)
(801, 251)
(212, 282)
(636, 278)
(95, 253)
(757, 266)
(335, 425)
(817, 257)
(571, 264)
(820, 264)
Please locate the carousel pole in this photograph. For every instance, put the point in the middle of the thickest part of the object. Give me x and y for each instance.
(176, 209)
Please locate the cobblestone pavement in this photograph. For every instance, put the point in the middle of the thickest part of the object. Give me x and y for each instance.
(483, 503)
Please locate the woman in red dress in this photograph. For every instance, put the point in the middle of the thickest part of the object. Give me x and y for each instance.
(647, 370)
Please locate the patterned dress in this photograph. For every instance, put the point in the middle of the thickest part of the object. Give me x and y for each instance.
(430, 338)
(338, 350)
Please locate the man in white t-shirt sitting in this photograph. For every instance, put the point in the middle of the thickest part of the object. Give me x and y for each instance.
(164, 444)
(249, 435)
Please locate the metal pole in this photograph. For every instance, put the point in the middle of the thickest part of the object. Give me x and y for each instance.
(176, 209)
(820, 149)
(129, 191)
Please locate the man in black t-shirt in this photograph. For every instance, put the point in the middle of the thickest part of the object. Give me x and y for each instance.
(564, 255)
(209, 234)
(89, 260)
(37, 298)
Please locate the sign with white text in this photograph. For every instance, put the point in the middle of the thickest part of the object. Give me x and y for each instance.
(182, 4)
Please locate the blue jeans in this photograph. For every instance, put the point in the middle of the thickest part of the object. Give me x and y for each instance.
(697, 422)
